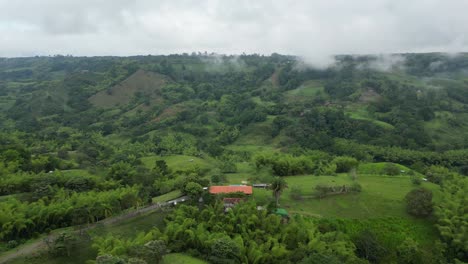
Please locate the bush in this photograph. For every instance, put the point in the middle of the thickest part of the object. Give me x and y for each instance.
(12, 244)
(416, 180)
(369, 247)
(356, 187)
(391, 169)
(228, 167)
(408, 252)
(218, 178)
(345, 164)
(419, 202)
(296, 193)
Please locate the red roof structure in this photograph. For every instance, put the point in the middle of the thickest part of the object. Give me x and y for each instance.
(231, 189)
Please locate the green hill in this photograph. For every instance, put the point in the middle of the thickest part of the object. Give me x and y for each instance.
(368, 156)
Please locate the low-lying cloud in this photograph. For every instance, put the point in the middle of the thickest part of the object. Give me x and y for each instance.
(314, 30)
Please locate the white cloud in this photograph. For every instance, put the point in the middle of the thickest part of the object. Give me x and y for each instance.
(311, 29)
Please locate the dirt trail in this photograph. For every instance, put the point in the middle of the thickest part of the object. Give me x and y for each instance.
(40, 244)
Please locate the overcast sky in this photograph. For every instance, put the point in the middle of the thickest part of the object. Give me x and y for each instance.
(307, 28)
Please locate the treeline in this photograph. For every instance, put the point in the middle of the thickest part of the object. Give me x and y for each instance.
(22, 220)
(419, 160)
(318, 163)
(46, 184)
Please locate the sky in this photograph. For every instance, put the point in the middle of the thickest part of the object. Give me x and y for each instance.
(312, 29)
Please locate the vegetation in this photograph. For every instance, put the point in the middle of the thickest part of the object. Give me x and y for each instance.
(376, 162)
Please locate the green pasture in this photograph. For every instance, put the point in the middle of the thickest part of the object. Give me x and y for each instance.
(180, 162)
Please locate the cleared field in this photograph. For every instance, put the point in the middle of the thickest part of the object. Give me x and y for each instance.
(360, 113)
(379, 168)
(381, 196)
(307, 90)
(141, 81)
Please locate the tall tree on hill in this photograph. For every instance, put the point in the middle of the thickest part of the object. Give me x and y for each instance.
(278, 185)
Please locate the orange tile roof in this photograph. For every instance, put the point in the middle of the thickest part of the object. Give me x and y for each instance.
(231, 189)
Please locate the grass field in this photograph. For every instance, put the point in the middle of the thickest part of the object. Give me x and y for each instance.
(307, 90)
(381, 196)
(358, 111)
(179, 162)
(179, 258)
(379, 168)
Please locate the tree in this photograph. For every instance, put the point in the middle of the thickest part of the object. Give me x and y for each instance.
(369, 247)
(345, 164)
(278, 185)
(193, 189)
(228, 167)
(450, 211)
(225, 250)
(419, 202)
(161, 167)
(408, 252)
(391, 169)
(154, 250)
(318, 258)
(122, 171)
(109, 259)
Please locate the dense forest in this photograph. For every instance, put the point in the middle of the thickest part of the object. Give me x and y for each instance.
(369, 157)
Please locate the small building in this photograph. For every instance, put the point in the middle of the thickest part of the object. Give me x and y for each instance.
(261, 185)
(231, 189)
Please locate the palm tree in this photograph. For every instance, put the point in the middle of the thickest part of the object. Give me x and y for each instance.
(278, 185)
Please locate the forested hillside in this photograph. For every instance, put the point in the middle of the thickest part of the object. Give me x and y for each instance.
(87, 138)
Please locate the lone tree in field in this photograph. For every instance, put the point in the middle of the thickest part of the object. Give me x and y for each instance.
(278, 185)
(419, 202)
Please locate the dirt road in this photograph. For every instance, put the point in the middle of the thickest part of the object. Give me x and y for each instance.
(41, 244)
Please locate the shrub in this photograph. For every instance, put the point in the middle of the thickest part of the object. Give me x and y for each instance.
(408, 252)
(228, 167)
(218, 178)
(12, 244)
(416, 180)
(355, 187)
(369, 247)
(419, 202)
(391, 169)
(345, 164)
(296, 193)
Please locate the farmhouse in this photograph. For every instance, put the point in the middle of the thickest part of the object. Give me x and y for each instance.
(230, 202)
(231, 189)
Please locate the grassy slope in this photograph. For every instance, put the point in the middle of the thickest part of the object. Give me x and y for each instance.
(179, 162)
(307, 90)
(440, 128)
(381, 196)
(122, 93)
